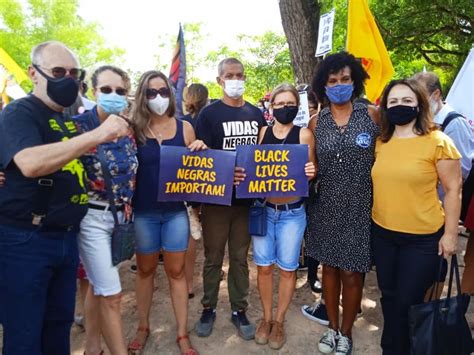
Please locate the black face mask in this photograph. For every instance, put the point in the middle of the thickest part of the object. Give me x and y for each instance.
(286, 114)
(62, 91)
(401, 115)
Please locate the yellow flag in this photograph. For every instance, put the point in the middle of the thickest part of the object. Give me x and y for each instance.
(364, 41)
(11, 67)
(3, 91)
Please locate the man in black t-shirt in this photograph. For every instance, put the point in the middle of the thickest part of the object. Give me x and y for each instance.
(42, 203)
(225, 124)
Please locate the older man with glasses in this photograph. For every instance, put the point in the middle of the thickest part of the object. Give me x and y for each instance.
(42, 204)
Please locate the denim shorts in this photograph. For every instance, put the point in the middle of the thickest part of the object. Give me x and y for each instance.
(282, 244)
(95, 249)
(157, 229)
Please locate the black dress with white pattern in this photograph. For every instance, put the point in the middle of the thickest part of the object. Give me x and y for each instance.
(338, 232)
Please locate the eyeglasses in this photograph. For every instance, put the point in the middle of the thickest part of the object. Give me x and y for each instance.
(282, 104)
(108, 90)
(163, 92)
(60, 72)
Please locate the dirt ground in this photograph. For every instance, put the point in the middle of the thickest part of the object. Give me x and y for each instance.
(302, 334)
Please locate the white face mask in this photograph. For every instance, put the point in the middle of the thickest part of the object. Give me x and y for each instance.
(266, 104)
(234, 88)
(159, 104)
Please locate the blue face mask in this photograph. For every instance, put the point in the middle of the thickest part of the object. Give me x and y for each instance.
(112, 103)
(339, 94)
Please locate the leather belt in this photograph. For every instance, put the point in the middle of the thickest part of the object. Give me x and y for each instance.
(105, 207)
(285, 206)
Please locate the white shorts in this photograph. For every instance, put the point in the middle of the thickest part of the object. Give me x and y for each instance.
(95, 245)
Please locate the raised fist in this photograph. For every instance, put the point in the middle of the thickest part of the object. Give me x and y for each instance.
(112, 128)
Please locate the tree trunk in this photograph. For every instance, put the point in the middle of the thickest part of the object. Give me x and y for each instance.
(300, 20)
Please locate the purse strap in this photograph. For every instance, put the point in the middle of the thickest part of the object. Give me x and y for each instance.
(454, 270)
(435, 288)
(108, 182)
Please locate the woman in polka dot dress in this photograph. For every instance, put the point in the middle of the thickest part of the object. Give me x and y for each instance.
(340, 215)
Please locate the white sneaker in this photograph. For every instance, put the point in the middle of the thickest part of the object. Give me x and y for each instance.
(327, 344)
(344, 345)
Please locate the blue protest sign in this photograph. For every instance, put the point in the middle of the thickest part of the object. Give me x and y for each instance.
(273, 170)
(206, 176)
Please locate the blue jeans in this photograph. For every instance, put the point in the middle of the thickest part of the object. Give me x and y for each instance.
(282, 244)
(156, 230)
(37, 290)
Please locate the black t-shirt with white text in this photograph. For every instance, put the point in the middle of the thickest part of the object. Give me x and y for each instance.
(224, 127)
(27, 123)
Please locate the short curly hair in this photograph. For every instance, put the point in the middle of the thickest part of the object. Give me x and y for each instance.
(334, 63)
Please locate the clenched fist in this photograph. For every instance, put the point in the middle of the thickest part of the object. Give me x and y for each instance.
(112, 128)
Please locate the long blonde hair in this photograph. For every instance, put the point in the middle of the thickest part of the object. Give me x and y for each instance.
(140, 112)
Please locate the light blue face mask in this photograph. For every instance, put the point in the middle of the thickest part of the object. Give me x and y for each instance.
(112, 103)
(339, 94)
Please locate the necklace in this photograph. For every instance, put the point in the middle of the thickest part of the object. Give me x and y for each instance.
(159, 139)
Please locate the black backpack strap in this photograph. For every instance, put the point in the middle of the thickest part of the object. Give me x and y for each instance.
(41, 200)
(108, 182)
(451, 116)
(45, 185)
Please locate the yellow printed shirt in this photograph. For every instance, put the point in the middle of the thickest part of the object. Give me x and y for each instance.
(405, 182)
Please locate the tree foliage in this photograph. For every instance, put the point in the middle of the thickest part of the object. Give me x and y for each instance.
(435, 34)
(23, 24)
(266, 60)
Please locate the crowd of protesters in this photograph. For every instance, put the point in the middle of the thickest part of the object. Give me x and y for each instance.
(389, 185)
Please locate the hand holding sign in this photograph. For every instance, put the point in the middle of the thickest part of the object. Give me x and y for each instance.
(310, 170)
(197, 145)
(273, 170)
(239, 175)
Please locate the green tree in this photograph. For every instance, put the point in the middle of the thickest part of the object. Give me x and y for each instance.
(266, 59)
(193, 40)
(25, 24)
(436, 34)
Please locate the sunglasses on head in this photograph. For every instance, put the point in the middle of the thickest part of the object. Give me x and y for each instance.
(152, 93)
(60, 72)
(108, 90)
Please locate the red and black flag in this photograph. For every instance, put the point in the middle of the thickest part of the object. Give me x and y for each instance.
(178, 71)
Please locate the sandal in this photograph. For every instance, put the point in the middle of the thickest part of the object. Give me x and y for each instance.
(135, 348)
(190, 351)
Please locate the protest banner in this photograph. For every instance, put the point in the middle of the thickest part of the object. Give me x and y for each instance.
(272, 170)
(326, 27)
(302, 117)
(206, 176)
(461, 94)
